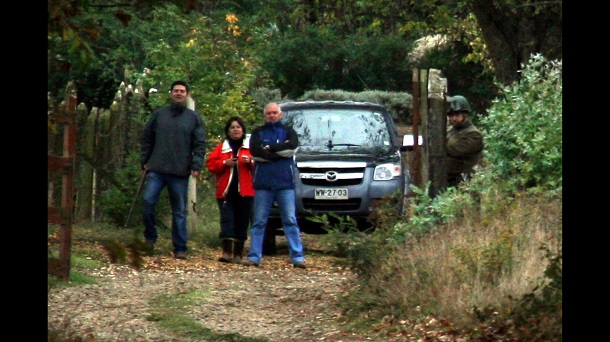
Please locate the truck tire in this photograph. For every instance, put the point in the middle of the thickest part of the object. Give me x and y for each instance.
(269, 242)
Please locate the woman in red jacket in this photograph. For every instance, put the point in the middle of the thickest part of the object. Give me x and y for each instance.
(232, 163)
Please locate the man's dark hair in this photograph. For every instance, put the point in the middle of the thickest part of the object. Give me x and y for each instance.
(239, 121)
(175, 83)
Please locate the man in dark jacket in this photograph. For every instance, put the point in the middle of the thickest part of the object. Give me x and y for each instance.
(464, 141)
(172, 150)
(273, 146)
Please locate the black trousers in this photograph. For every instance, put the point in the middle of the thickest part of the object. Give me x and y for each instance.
(235, 216)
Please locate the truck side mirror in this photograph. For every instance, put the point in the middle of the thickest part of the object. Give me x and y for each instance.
(408, 141)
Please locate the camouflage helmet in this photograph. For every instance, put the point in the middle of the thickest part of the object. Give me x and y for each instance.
(458, 103)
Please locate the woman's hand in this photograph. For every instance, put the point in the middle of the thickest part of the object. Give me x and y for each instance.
(230, 162)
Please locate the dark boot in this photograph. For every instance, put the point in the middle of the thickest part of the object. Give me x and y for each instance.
(227, 250)
(238, 251)
(149, 248)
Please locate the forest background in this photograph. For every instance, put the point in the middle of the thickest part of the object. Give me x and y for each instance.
(235, 55)
(226, 50)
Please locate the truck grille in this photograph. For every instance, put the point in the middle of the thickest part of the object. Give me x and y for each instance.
(331, 176)
(331, 205)
(325, 183)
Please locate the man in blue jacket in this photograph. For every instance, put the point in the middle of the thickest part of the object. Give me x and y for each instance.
(172, 150)
(273, 146)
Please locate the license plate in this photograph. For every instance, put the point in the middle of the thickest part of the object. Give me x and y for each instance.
(332, 194)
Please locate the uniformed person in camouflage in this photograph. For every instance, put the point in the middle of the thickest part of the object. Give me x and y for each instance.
(464, 141)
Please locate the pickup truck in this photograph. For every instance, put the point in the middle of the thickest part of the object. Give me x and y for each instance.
(349, 156)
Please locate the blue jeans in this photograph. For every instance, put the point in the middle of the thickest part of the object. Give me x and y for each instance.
(263, 200)
(177, 187)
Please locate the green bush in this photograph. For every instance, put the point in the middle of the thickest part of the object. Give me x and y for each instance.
(116, 201)
(335, 60)
(523, 131)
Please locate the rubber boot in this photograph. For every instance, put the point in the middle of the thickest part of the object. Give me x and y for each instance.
(227, 250)
(238, 251)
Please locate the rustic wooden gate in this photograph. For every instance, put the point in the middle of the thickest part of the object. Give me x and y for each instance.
(429, 101)
(62, 123)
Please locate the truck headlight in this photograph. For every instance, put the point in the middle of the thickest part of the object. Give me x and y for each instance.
(387, 171)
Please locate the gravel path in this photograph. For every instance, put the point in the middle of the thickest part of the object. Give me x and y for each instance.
(274, 302)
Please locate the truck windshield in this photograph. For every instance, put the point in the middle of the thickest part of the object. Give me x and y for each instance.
(339, 130)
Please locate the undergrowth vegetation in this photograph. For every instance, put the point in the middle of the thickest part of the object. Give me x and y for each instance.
(485, 257)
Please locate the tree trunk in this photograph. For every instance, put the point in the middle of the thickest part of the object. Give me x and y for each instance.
(513, 33)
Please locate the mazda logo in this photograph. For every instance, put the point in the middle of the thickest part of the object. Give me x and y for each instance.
(331, 176)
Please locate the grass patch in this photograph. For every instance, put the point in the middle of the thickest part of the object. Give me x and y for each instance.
(170, 313)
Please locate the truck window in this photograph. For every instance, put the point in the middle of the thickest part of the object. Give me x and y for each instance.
(338, 129)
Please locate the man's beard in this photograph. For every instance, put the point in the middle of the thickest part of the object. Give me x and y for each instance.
(178, 104)
(178, 107)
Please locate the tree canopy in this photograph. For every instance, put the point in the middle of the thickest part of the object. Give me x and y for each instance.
(297, 45)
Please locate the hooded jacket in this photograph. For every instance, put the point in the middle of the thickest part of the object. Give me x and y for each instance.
(273, 146)
(224, 174)
(173, 141)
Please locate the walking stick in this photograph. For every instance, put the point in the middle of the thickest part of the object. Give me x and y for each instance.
(143, 177)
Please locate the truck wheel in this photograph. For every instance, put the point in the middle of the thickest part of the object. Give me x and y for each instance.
(269, 243)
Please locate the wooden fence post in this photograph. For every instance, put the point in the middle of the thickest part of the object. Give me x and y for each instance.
(424, 175)
(416, 168)
(192, 190)
(63, 165)
(437, 129)
(85, 172)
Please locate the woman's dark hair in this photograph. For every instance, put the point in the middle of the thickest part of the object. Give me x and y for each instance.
(230, 121)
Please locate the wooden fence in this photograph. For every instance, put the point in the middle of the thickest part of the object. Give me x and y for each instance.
(61, 167)
(85, 149)
(106, 137)
(429, 122)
